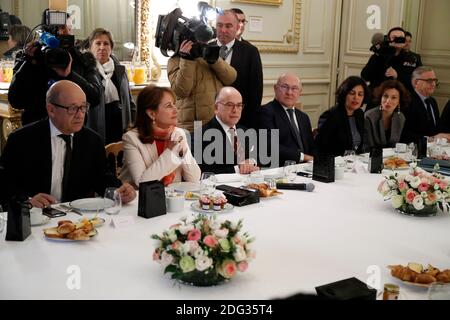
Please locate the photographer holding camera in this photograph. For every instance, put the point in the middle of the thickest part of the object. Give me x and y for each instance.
(390, 60)
(196, 81)
(51, 59)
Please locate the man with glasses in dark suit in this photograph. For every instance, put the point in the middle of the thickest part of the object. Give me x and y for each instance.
(295, 134)
(58, 159)
(242, 22)
(422, 115)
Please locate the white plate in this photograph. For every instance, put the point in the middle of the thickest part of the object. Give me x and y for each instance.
(92, 234)
(38, 219)
(196, 207)
(91, 204)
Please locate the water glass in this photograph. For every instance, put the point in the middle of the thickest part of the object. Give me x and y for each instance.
(412, 152)
(113, 201)
(290, 170)
(208, 182)
(439, 291)
(349, 157)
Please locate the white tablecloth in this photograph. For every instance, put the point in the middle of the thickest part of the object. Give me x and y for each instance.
(303, 240)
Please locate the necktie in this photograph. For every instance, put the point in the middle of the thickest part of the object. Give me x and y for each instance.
(295, 128)
(234, 139)
(430, 111)
(223, 52)
(67, 160)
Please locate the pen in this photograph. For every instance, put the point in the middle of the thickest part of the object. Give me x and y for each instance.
(304, 174)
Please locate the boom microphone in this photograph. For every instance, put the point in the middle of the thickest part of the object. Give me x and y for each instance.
(296, 186)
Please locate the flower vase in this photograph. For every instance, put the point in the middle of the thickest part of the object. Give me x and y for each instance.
(427, 211)
(201, 278)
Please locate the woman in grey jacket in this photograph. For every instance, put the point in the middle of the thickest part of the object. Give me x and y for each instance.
(112, 116)
(384, 125)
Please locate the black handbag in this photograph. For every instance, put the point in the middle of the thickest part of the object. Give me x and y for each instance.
(152, 199)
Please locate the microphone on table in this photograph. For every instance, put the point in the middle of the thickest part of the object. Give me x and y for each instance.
(309, 187)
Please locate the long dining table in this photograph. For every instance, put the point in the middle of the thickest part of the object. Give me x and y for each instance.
(302, 240)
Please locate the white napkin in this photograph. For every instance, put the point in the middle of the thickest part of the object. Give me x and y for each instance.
(359, 167)
(229, 177)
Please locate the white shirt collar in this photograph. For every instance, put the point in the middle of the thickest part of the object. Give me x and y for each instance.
(54, 131)
(229, 44)
(225, 127)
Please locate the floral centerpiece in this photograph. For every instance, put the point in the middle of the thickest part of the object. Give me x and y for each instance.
(203, 251)
(417, 192)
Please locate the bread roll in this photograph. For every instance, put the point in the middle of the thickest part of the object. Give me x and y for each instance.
(66, 227)
(53, 233)
(424, 278)
(444, 276)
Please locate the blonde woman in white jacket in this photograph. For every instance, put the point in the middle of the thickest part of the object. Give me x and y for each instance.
(155, 149)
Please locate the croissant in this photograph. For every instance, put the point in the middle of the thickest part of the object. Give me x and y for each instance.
(424, 278)
(444, 276)
(78, 234)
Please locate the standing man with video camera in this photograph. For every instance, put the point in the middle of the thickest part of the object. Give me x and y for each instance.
(196, 81)
(390, 61)
(42, 66)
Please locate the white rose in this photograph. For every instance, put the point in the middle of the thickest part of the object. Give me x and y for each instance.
(199, 252)
(214, 224)
(415, 182)
(184, 229)
(172, 235)
(423, 194)
(202, 263)
(166, 259)
(438, 195)
(397, 201)
(239, 255)
(221, 233)
(189, 247)
(418, 202)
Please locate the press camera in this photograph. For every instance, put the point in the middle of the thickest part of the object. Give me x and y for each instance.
(173, 28)
(381, 45)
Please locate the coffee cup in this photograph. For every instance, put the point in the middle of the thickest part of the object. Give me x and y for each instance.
(175, 203)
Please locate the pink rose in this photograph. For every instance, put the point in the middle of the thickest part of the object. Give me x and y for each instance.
(210, 241)
(176, 245)
(423, 187)
(228, 269)
(242, 266)
(402, 186)
(443, 185)
(194, 235)
(410, 195)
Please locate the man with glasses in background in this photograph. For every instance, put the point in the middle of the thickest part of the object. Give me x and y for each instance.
(422, 115)
(295, 134)
(242, 22)
(224, 149)
(57, 159)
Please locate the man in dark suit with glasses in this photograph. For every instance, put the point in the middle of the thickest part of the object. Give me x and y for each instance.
(58, 159)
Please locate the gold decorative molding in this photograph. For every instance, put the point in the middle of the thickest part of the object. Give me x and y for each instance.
(290, 41)
(261, 2)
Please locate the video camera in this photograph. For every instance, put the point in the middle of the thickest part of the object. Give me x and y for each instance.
(172, 29)
(381, 44)
(54, 48)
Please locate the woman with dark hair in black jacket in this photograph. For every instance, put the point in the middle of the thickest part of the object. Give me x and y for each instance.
(341, 127)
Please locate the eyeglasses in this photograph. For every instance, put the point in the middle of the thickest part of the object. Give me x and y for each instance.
(73, 109)
(286, 88)
(243, 21)
(231, 105)
(430, 81)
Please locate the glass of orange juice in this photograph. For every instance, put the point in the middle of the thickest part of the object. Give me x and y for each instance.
(7, 71)
(140, 76)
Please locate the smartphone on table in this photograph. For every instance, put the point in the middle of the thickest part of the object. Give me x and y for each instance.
(52, 212)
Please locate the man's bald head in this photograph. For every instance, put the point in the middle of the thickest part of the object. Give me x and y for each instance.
(62, 98)
(229, 106)
(288, 89)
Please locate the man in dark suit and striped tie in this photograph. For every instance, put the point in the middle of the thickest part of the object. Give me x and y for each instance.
(295, 134)
(422, 115)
